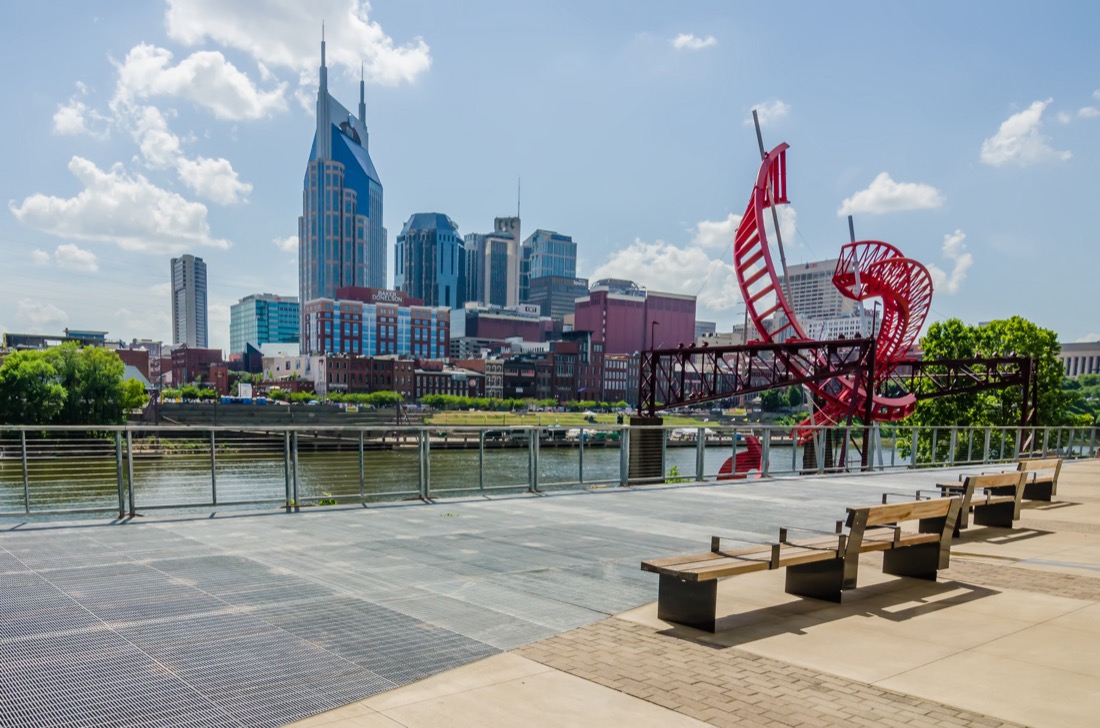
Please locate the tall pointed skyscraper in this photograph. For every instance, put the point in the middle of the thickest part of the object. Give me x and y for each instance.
(341, 241)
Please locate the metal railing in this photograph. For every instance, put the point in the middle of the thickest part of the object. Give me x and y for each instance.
(132, 470)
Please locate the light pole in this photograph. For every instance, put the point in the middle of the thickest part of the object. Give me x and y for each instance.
(653, 335)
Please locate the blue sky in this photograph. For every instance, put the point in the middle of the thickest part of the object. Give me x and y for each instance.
(967, 134)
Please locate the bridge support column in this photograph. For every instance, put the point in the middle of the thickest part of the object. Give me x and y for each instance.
(647, 463)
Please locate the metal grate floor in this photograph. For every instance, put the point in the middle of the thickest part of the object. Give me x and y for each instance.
(263, 620)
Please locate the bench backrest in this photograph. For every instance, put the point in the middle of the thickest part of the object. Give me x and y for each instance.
(879, 515)
(1052, 464)
(1001, 481)
(937, 515)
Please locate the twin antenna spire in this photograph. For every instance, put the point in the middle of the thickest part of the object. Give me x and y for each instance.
(362, 79)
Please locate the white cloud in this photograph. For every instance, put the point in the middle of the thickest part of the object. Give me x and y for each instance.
(75, 118)
(40, 257)
(1019, 141)
(159, 146)
(71, 257)
(1064, 117)
(286, 34)
(689, 42)
(769, 112)
(1096, 94)
(885, 195)
(1088, 112)
(117, 207)
(161, 290)
(716, 233)
(213, 179)
(40, 315)
(669, 268)
(1088, 339)
(289, 244)
(205, 78)
(153, 322)
(954, 249)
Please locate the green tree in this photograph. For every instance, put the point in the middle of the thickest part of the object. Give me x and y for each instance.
(953, 339)
(92, 378)
(133, 395)
(30, 389)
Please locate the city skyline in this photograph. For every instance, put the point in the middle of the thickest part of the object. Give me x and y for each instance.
(182, 128)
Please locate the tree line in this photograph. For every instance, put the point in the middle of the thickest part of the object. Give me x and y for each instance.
(67, 385)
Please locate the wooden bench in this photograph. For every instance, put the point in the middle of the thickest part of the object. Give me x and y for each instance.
(821, 568)
(994, 499)
(1042, 477)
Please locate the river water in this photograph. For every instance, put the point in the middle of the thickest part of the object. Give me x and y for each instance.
(250, 472)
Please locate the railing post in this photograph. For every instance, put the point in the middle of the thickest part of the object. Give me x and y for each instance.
(766, 453)
(794, 451)
(121, 479)
(130, 469)
(915, 440)
(294, 471)
(954, 442)
(664, 452)
(481, 460)
(362, 484)
(580, 458)
(1046, 440)
(213, 471)
(286, 469)
(935, 444)
(533, 460)
(700, 454)
(624, 456)
(988, 437)
(425, 465)
(26, 471)
(1019, 441)
(820, 435)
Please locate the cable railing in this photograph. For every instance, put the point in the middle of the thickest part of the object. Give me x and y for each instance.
(132, 470)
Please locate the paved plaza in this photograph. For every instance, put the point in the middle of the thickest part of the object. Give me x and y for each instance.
(533, 610)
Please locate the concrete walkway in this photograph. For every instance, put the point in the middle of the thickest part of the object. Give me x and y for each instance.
(1009, 635)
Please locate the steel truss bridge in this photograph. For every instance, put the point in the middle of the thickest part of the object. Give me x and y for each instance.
(693, 375)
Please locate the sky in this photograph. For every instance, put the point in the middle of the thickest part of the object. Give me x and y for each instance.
(966, 134)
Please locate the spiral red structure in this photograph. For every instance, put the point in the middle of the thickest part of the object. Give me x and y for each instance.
(865, 269)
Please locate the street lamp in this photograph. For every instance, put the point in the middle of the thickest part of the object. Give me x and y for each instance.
(653, 334)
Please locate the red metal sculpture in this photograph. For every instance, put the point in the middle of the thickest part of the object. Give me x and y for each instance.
(747, 461)
(865, 269)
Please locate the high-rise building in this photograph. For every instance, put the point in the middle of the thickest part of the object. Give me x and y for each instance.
(430, 260)
(341, 241)
(556, 296)
(552, 254)
(493, 264)
(189, 301)
(822, 310)
(263, 318)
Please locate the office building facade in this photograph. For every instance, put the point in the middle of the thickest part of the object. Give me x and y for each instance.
(556, 296)
(430, 260)
(263, 318)
(189, 319)
(376, 322)
(628, 319)
(493, 264)
(341, 241)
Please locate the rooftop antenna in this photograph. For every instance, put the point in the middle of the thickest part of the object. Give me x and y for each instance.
(859, 286)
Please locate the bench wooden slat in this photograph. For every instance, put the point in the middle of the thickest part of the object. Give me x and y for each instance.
(878, 515)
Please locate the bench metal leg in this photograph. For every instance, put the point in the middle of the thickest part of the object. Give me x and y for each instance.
(691, 603)
(1042, 490)
(920, 561)
(995, 514)
(818, 580)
